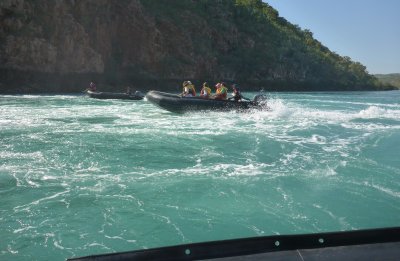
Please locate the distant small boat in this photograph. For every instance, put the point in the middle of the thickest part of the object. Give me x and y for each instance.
(175, 103)
(115, 95)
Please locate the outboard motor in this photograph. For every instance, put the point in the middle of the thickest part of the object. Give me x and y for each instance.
(260, 99)
(139, 94)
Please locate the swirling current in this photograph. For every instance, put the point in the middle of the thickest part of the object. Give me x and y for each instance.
(81, 176)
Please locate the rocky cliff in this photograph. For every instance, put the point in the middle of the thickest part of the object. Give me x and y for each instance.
(61, 45)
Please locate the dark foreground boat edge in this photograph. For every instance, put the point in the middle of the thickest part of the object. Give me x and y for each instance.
(369, 244)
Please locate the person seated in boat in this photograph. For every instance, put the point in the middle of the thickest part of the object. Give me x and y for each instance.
(221, 91)
(205, 91)
(92, 87)
(128, 90)
(237, 94)
(188, 89)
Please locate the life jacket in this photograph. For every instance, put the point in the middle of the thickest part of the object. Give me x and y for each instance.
(205, 92)
(222, 92)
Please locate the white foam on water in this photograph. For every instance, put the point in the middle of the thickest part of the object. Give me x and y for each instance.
(324, 172)
(317, 139)
(281, 109)
(239, 170)
(10, 250)
(94, 149)
(379, 112)
(24, 229)
(341, 220)
(37, 155)
(26, 207)
(383, 189)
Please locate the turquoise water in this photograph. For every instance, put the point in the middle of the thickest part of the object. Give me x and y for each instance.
(80, 176)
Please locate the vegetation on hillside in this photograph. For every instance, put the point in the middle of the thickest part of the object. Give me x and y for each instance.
(57, 45)
(266, 48)
(389, 79)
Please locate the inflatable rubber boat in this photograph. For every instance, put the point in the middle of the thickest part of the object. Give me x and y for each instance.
(176, 103)
(115, 95)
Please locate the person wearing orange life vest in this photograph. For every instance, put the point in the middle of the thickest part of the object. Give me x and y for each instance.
(221, 91)
(205, 91)
(188, 89)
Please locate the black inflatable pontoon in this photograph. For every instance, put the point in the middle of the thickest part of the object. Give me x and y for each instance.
(178, 104)
(114, 95)
(371, 244)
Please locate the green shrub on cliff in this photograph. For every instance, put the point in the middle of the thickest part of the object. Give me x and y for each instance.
(391, 79)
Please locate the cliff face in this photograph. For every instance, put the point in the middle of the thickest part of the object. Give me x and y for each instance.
(63, 44)
(44, 36)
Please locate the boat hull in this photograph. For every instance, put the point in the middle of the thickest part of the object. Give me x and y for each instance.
(114, 95)
(178, 104)
(369, 244)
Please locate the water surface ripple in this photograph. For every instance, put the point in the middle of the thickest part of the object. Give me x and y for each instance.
(80, 176)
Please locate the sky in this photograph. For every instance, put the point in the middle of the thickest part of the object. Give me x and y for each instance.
(368, 31)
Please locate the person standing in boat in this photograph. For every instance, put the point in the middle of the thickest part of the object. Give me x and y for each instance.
(221, 92)
(205, 91)
(92, 87)
(188, 89)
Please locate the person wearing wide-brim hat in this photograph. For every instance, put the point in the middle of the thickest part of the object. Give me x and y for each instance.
(188, 89)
